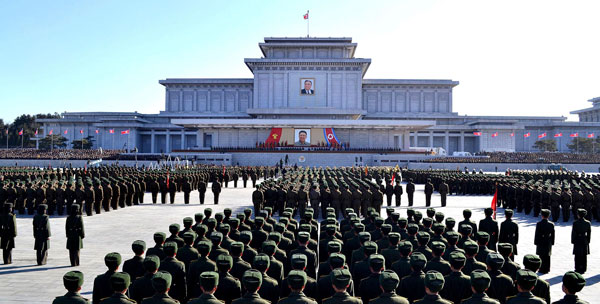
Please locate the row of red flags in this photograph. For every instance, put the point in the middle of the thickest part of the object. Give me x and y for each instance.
(528, 134)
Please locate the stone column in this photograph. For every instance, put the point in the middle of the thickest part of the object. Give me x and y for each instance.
(182, 139)
(168, 141)
(430, 139)
(405, 141)
(152, 141)
(461, 144)
(447, 141)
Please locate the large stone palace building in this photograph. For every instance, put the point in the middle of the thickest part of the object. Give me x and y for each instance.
(314, 88)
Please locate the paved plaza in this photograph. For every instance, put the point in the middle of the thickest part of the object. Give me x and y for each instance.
(25, 282)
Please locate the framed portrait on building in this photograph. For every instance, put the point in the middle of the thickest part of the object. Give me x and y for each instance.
(307, 86)
(302, 137)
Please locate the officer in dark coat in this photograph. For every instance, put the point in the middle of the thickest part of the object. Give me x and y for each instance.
(389, 192)
(296, 280)
(509, 231)
(412, 286)
(8, 232)
(457, 286)
(340, 281)
(544, 240)
(542, 287)
(251, 281)
(572, 283)
(161, 283)
(581, 235)
(135, 266)
(398, 193)
(41, 234)
(176, 268)
(480, 282)
(428, 192)
(388, 282)
(216, 190)
(172, 190)
(489, 225)
(72, 281)
(443, 190)
(154, 189)
(75, 234)
(119, 283)
(142, 288)
(202, 190)
(230, 287)
(434, 282)
(209, 284)
(525, 282)
(410, 191)
(102, 288)
(187, 188)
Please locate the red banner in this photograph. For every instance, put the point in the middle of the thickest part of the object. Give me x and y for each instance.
(275, 136)
(330, 136)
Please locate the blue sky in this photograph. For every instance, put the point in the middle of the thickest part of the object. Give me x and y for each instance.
(511, 57)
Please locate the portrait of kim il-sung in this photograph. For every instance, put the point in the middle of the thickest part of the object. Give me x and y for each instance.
(302, 137)
(307, 86)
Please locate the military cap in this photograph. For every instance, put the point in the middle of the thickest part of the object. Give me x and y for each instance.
(439, 216)
(438, 247)
(246, 236)
(340, 277)
(188, 220)
(532, 262)
(471, 248)
(386, 228)
(430, 212)
(488, 211)
(505, 249)
(410, 212)
(236, 248)
(269, 247)
(259, 221)
(74, 208)
(330, 229)
(405, 247)
(412, 228)
(388, 280)
(480, 280)
(438, 228)
(224, 260)
(204, 245)
(395, 216)
(138, 246)
(418, 215)
(434, 281)
(581, 212)
(303, 236)
(526, 278)
(73, 280)
(545, 212)
(450, 222)
(199, 217)
(112, 259)
(275, 237)
(207, 212)
(376, 261)
(120, 281)
(573, 281)
(457, 259)
(483, 236)
(329, 209)
(422, 236)
(394, 238)
(299, 261)
(42, 208)
(296, 279)
(336, 260)
(174, 228)
(161, 281)
(418, 260)
(465, 229)
(252, 279)
(216, 237)
(151, 263)
(248, 211)
(189, 237)
(360, 227)
(240, 216)
(305, 227)
(370, 247)
(209, 279)
(452, 236)
(261, 260)
(494, 260)
(334, 246)
(227, 211)
(427, 222)
(389, 210)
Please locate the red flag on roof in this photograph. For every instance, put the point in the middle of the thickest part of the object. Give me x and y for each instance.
(97, 131)
(542, 135)
(305, 15)
(81, 131)
(66, 131)
(111, 131)
(574, 135)
(50, 133)
(477, 133)
(527, 134)
(512, 134)
(124, 132)
(591, 135)
(558, 135)
(495, 134)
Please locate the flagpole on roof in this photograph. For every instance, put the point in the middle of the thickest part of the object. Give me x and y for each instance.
(307, 24)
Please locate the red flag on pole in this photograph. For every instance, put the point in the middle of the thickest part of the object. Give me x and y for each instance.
(542, 135)
(306, 15)
(124, 132)
(36, 132)
(512, 134)
(223, 170)
(66, 131)
(81, 131)
(527, 134)
(21, 132)
(591, 135)
(495, 134)
(111, 131)
(97, 131)
(477, 133)
(574, 135)
(558, 135)
(50, 133)
(393, 177)
(495, 202)
(167, 178)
